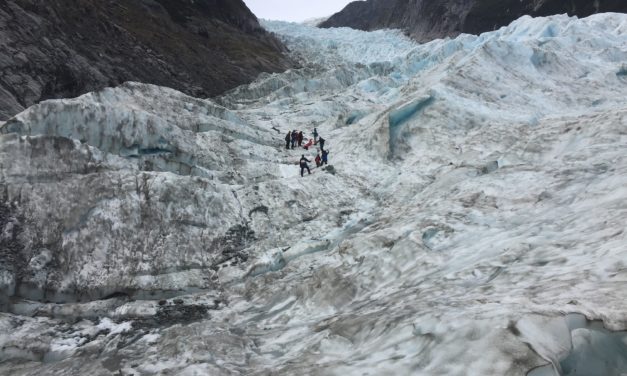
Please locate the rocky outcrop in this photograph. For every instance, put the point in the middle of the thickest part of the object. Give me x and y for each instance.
(427, 20)
(64, 48)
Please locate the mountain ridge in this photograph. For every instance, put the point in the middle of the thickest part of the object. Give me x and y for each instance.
(62, 48)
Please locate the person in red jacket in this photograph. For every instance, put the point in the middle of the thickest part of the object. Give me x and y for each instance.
(318, 160)
(309, 144)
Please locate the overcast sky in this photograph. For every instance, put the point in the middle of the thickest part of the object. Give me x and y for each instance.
(295, 10)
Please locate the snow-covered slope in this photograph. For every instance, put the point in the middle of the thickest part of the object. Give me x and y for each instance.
(472, 222)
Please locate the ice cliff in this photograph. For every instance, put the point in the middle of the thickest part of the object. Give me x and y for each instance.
(472, 221)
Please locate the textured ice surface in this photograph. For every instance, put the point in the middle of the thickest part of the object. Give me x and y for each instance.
(475, 212)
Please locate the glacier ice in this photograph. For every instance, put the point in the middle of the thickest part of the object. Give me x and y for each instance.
(476, 196)
(576, 346)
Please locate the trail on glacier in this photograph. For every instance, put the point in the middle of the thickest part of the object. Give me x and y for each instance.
(473, 222)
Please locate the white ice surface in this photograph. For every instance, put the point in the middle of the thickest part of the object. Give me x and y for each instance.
(479, 197)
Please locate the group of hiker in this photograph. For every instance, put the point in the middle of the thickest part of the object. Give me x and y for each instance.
(292, 138)
(295, 137)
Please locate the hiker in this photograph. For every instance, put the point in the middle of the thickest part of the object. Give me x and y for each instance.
(303, 165)
(288, 138)
(308, 144)
(300, 138)
(315, 134)
(325, 157)
(294, 138)
(321, 142)
(318, 160)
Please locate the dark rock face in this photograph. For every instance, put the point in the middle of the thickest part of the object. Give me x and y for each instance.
(423, 20)
(486, 15)
(427, 20)
(64, 48)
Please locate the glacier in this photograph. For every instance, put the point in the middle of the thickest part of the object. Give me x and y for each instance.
(471, 221)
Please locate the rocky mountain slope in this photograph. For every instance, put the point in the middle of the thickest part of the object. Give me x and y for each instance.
(471, 220)
(428, 20)
(64, 48)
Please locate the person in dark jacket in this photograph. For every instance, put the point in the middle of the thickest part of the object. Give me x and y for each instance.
(321, 142)
(318, 160)
(294, 138)
(288, 139)
(300, 139)
(325, 157)
(303, 165)
(315, 134)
